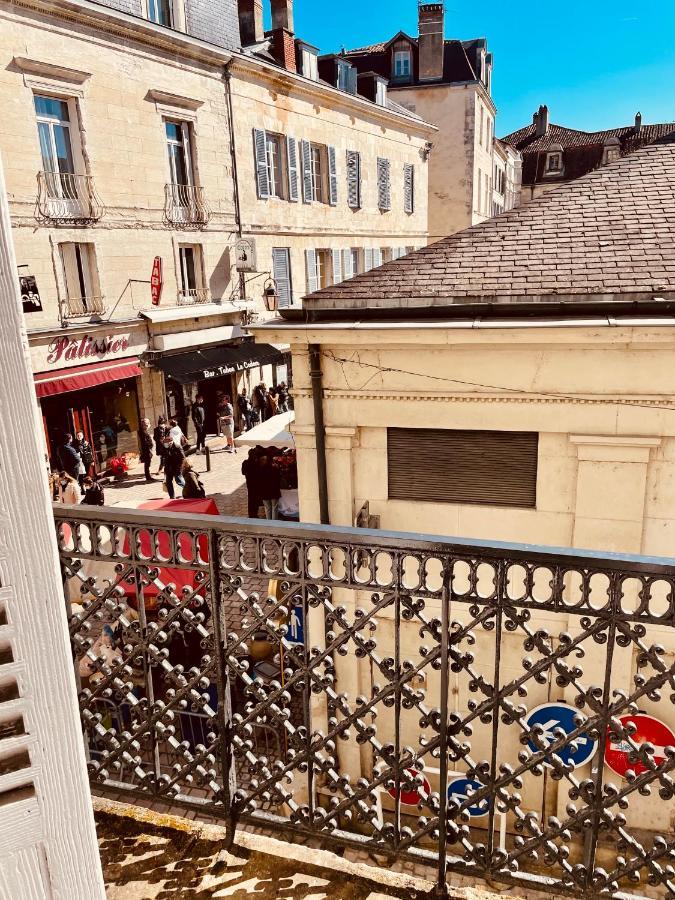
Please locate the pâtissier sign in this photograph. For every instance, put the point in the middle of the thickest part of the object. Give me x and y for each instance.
(87, 348)
(64, 351)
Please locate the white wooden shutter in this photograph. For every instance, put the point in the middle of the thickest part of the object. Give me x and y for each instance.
(292, 158)
(409, 188)
(260, 154)
(337, 266)
(306, 155)
(367, 259)
(377, 257)
(353, 179)
(281, 270)
(348, 264)
(312, 275)
(332, 178)
(383, 184)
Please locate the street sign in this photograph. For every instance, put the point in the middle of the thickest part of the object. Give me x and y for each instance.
(648, 730)
(156, 281)
(411, 797)
(462, 789)
(296, 626)
(553, 716)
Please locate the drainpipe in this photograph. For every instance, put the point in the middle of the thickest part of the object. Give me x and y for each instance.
(235, 175)
(319, 429)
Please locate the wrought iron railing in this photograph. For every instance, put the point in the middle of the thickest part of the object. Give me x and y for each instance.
(185, 205)
(68, 199)
(74, 307)
(194, 296)
(497, 711)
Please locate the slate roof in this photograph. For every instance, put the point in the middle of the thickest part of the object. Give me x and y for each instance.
(609, 235)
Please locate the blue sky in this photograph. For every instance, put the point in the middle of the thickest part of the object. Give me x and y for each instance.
(594, 63)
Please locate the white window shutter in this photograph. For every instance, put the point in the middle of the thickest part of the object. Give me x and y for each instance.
(348, 265)
(409, 188)
(383, 184)
(368, 259)
(312, 275)
(306, 154)
(281, 271)
(292, 157)
(332, 177)
(377, 257)
(353, 179)
(337, 266)
(261, 173)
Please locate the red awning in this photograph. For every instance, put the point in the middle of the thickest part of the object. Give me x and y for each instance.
(48, 384)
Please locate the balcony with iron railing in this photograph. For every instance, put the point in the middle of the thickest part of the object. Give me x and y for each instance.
(193, 297)
(383, 692)
(81, 307)
(68, 199)
(185, 205)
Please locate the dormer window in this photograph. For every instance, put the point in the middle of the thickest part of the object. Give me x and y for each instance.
(346, 77)
(611, 151)
(161, 12)
(402, 64)
(554, 161)
(309, 61)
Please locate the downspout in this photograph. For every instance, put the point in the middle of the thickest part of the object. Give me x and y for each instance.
(235, 174)
(319, 429)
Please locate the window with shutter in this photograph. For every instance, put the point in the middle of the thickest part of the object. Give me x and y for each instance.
(261, 171)
(377, 257)
(409, 188)
(337, 266)
(292, 158)
(383, 184)
(281, 271)
(332, 177)
(368, 259)
(496, 468)
(312, 275)
(348, 264)
(307, 186)
(353, 179)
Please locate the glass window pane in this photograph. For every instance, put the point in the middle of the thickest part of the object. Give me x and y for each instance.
(64, 153)
(50, 107)
(188, 270)
(172, 131)
(48, 161)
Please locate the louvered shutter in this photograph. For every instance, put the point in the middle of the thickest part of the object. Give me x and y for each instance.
(348, 264)
(377, 257)
(312, 275)
(337, 266)
(383, 184)
(409, 188)
(281, 270)
(260, 154)
(497, 468)
(332, 177)
(306, 155)
(353, 179)
(367, 259)
(292, 157)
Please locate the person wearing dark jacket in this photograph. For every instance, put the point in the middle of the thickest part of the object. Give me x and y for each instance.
(84, 448)
(249, 469)
(145, 446)
(69, 457)
(193, 488)
(158, 436)
(93, 492)
(269, 483)
(173, 464)
(199, 419)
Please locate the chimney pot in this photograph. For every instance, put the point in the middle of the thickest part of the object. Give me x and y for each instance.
(251, 27)
(638, 122)
(282, 15)
(541, 121)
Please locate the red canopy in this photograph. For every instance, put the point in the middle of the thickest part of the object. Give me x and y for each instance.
(63, 381)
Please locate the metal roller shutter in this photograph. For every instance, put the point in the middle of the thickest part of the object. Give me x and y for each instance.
(497, 468)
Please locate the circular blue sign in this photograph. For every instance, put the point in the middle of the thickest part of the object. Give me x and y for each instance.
(462, 789)
(553, 716)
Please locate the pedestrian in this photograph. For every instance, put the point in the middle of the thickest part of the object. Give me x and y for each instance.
(109, 440)
(173, 464)
(93, 492)
(84, 448)
(159, 434)
(199, 419)
(249, 469)
(193, 488)
(227, 423)
(260, 400)
(69, 489)
(70, 459)
(272, 403)
(282, 396)
(145, 446)
(245, 408)
(269, 483)
(176, 434)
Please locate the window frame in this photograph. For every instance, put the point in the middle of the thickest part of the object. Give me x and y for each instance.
(89, 286)
(276, 172)
(402, 55)
(186, 145)
(197, 265)
(318, 152)
(550, 156)
(156, 5)
(324, 267)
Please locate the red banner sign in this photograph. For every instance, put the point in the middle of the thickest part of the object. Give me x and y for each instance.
(156, 281)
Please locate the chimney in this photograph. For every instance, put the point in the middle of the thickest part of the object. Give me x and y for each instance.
(282, 15)
(431, 41)
(541, 121)
(638, 122)
(251, 26)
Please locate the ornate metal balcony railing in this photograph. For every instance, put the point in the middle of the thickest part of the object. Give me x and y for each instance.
(185, 205)
(76, 307)
(68, 199)
(194, 296)
(408, 681)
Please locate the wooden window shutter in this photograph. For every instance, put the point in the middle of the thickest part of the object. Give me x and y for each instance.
(377, 257)
(312, 274)
(409, 188)
(261, 174)
(332, 177)
(337, 266)
(281, 270)
(348, 265)
(383, 184)
(353, 179)
(306, 155)
(292, 157)
(495, 468)
(368, 259)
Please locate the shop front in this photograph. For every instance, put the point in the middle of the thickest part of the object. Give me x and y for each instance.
(90, 382)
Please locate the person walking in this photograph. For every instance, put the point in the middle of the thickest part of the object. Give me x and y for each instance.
(159, 434)
(227, 423)
(269, 482)
(245, 408)
(145, 445)
(249, 469)
(260, 400)
(70, 459)
(69, 489)
(272, 403)
(173, 464)
(199, 420)
(282, 396)
(84, 448)
(193, 488)
(93, 492)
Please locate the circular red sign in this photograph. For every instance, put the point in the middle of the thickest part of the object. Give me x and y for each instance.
(411, 798)
(648, 730)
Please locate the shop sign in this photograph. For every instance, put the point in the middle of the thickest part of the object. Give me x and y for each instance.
(156, 281)
(217, 371)
(86, 348)
(245, 255)
(30, 296)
